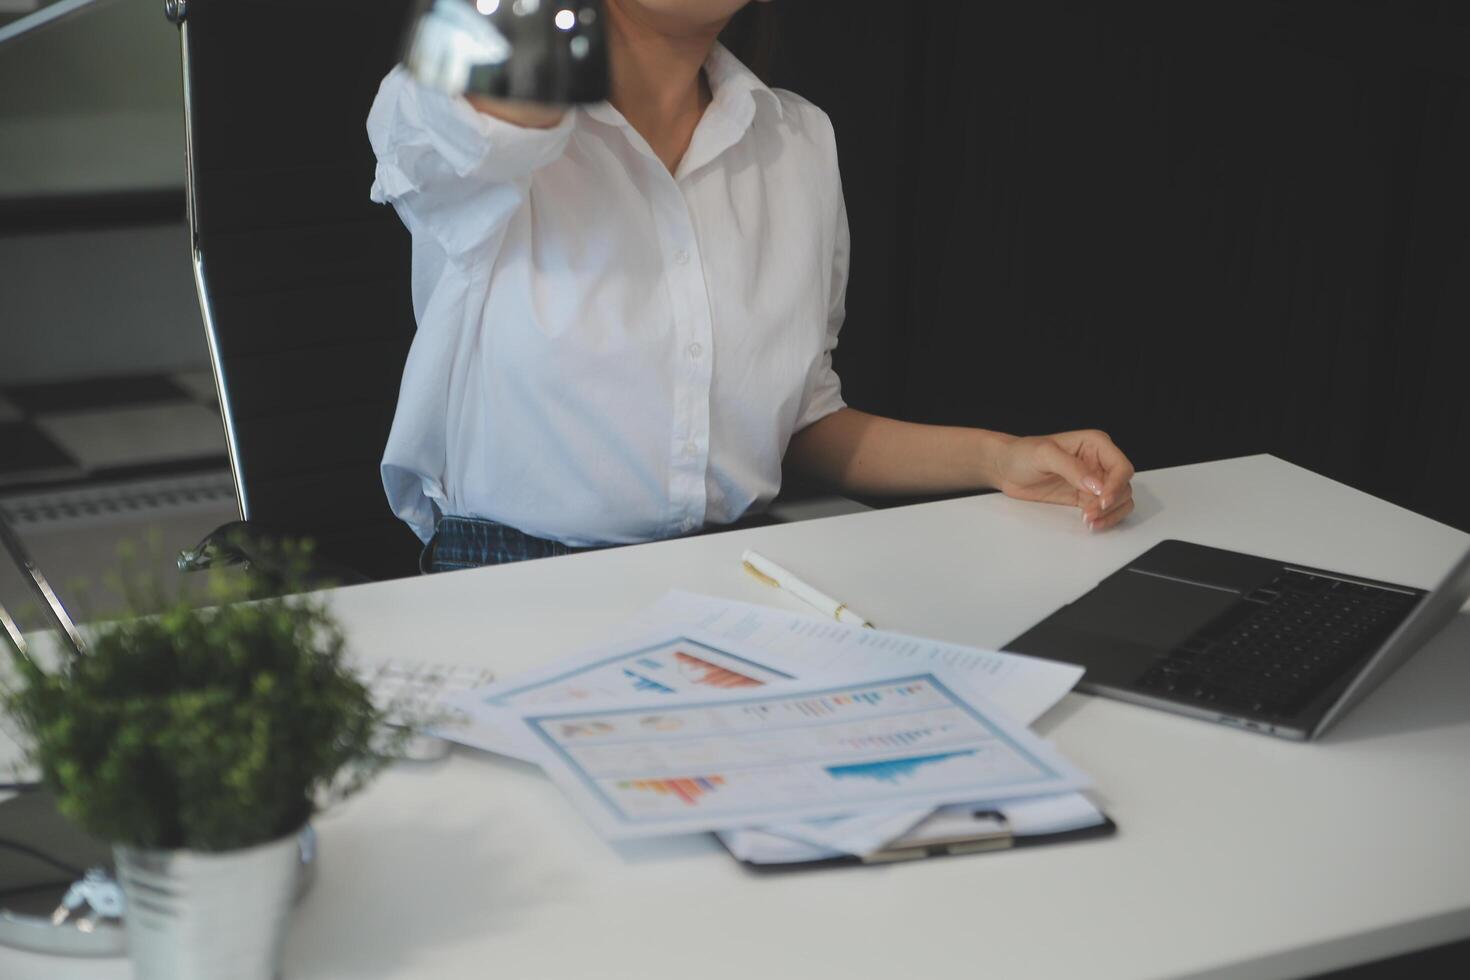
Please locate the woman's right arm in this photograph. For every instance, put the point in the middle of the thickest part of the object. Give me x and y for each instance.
(455, 174)
(528, 115)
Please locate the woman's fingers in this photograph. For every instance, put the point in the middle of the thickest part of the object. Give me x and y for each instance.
(1109, 511)
(1119, 475)
(1109, 501)
(1055, 459)
(1115, 500)
(1112, 517)
(1117, 471)
(1087, 461)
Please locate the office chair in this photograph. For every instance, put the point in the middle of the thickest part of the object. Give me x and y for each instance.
(304, 284)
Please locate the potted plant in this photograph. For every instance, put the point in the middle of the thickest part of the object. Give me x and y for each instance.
(199, 743)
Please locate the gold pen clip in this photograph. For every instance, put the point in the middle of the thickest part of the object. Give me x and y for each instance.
(761, 576)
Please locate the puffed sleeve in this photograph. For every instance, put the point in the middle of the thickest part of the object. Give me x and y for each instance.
(453, 174)
(823, 394)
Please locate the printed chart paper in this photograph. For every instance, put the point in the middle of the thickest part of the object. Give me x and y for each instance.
(801, 751)
(1026, 686)
(1023, 687)
(676, 662)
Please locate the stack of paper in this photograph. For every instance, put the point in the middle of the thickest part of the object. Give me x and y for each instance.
(795, 739)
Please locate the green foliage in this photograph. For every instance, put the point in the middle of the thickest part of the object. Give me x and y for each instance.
(208, 729)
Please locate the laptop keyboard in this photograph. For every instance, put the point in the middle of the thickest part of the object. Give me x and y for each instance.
(1273, 653)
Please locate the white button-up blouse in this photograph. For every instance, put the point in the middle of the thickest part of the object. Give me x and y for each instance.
(606, 352)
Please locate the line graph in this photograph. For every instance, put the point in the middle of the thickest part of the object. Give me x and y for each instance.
(828, 706)
(896, 739)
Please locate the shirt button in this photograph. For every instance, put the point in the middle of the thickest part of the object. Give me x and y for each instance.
(695, 349)
(691, 449)
(688, 524)
(681, 255)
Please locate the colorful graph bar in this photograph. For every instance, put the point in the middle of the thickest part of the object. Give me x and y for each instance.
(641, 683)
(712, 675)
(894, 740)
(832, 704)
(891, 770)
(689, 790)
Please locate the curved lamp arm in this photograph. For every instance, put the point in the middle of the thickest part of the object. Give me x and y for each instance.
(49, 14)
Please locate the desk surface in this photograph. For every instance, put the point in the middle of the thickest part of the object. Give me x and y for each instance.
(1239, 855)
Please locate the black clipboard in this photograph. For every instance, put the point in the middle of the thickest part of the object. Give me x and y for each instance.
(991, 833)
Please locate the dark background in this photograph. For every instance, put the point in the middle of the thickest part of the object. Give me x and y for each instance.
(1210, 229)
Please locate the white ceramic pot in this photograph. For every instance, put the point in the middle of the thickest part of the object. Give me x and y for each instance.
(194, 915)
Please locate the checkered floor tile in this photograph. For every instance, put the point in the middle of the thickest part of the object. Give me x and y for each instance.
(78, 432)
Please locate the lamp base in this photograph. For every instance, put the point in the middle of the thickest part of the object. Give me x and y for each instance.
(34, 894)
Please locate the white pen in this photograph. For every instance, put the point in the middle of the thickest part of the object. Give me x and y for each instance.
(777, 577)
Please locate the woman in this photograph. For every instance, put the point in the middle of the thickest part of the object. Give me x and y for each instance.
(627, 313)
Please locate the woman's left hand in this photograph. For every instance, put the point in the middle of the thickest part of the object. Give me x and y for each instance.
(1081, 469)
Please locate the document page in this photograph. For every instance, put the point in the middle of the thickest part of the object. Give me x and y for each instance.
(798, 751)
(1027, 686)
(1024, 687)
(676, 661)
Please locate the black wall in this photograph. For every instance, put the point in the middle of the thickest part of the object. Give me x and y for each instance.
(1210, 228)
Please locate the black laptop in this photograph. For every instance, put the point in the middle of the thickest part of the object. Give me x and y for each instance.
(1265, 645)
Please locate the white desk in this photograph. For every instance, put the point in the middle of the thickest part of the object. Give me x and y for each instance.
(1238, 855)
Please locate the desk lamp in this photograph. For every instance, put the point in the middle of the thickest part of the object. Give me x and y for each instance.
(552, 51)
(549, 51)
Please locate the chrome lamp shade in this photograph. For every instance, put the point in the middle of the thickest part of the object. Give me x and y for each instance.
(549, 51)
